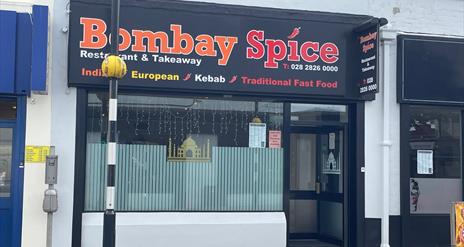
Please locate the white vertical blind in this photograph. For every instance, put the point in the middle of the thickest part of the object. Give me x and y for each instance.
(236, 179)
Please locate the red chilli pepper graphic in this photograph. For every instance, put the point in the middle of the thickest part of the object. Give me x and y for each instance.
(187, 76)
(234, 78)
(294, 33)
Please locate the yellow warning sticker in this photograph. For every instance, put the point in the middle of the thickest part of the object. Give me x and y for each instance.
(37, 154)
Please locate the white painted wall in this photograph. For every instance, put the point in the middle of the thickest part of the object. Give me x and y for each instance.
(63, 125)
(373, 156)
(189, 229)
(427, 16)
(38, 129)
(22, 5)
(37, 133)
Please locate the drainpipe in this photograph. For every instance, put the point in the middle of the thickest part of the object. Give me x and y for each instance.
(387, 38)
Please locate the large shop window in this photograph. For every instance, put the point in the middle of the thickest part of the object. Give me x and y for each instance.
(187, 154)
(435, 159)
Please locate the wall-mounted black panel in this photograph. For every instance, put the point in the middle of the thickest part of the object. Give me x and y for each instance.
(430, 70)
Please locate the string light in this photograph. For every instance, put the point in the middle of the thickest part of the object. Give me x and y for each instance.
(166, 114)
(150, 110)
(190, 120)
(204, 117)
(242, 122)
(236, 128)
(175, 127)
(93, 117)
(181, 127)
(213, 123)
(120, 112)
(137, 120)
(159, 121)
(233, 118)
(127, 114)
(100, 122)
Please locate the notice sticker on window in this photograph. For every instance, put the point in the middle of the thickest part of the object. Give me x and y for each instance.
(331, 140)
(275, 138)
(425, 162)
(257, 135)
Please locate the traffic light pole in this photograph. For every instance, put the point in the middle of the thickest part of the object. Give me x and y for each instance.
(109, 220)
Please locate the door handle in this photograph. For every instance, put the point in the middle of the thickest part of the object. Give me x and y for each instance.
(318, 188)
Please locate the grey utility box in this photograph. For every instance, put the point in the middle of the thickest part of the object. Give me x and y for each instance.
(50, 202)
(51, 169)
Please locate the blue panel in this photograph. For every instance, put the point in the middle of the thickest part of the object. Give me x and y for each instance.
(39, 47)
(23, 53)
(7, 51)
(5, 230)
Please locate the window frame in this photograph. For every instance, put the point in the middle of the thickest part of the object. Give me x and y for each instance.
(407, 233)
(82, 106)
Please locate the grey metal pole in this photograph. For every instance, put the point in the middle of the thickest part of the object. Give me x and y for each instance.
(49, 229)
(453, 224)
(109, 220)
(50, 214)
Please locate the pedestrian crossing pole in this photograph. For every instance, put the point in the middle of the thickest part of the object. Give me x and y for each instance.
(114, 68)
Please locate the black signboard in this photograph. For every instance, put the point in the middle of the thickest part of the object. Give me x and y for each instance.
(219, 49)
(368, 45)
(430, 69)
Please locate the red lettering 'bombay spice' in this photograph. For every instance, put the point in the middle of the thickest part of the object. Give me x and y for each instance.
(274, 50)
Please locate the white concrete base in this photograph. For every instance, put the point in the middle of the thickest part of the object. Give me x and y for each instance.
(189, 229)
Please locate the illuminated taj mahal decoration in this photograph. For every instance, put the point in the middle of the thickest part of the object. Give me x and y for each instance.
(189, 151)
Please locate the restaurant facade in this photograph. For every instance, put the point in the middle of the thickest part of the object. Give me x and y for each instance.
(225, 110)
(255, 126)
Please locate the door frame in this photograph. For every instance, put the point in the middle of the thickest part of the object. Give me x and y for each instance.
(313, 194)
(405, 173)
(17, 168)
(354, 187)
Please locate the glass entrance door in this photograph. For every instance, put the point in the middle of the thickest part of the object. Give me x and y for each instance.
(6, 158)
(316, 185)
(431, 150)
